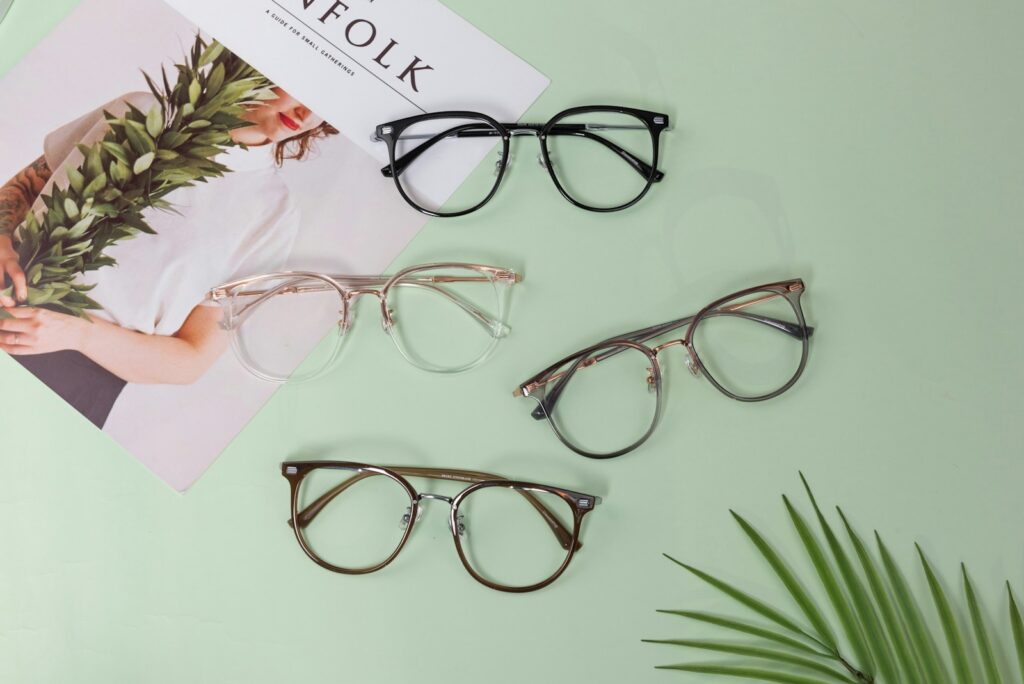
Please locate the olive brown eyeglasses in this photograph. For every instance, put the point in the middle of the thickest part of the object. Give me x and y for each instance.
(601, 158)
(606, 400)
(355, 518)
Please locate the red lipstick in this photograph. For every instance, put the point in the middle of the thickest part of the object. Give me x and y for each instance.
(288, 122)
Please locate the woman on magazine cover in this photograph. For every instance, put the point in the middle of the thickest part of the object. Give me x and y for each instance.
(153, 328)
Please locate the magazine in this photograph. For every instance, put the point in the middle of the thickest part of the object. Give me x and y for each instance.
(299, 187)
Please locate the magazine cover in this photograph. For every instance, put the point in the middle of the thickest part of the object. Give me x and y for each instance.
(193, 145)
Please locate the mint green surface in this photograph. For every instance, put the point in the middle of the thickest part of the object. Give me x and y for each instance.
(873, 148)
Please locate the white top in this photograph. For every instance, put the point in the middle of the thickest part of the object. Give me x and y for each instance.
(239, 225)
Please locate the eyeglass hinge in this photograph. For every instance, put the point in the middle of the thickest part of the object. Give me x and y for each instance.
(524, 391)
(796, 287)
(218, 293)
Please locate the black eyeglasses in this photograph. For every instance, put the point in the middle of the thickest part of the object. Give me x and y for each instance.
(605, 400)
(601, 158)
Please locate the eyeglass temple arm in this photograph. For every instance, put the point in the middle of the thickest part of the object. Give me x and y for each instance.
(495, 327)
(645, 334)
(482, 131)
(564, 536)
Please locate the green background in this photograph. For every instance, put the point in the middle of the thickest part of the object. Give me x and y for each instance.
(872, 148)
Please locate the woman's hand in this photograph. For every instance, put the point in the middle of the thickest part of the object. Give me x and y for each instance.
(10, 268)
(39, 331)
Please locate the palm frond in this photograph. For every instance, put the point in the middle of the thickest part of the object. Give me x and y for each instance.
(879, 617)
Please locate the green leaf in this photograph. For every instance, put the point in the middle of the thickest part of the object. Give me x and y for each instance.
(97, 184)
(139, 140)
(907, 662)
(216, 80)
(948, 621)
(757, 652)
(116, 151)
(831, 585)
(155, 121)
(93, 162)
(71, 209)
(792, 584)
(34, 274)
(921, 638)
(76, 179)
(864, 614)
(211, 53)
(143, 163)
(980, 633)
(194, 90)
(1017, 626)
(745, 599)
(760, 674)
(173, 139)
(78, 230)
(747, 628)
(199, 123)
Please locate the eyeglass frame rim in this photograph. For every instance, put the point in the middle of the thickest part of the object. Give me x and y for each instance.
(792, 289)
(225, 292)
(296, 471)
(389, 132)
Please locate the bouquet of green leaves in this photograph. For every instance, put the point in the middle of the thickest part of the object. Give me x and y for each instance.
(142, 158)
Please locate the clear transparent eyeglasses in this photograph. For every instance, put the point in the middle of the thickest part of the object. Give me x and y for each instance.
(444, 317)
(601, 158)
(606, 400)
(513, 536)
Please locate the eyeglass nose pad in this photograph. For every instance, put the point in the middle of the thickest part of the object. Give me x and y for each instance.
(501, 163)
(407, 516)
(543, 164)
(692, 365)
(652, 384)
(387, 322)
(460, 525)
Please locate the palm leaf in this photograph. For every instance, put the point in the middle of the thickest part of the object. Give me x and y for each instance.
(747, 628)
(757, 652)
(744, 598)
(948, 621)
(864, 613)
(910, 613)
(831, 585)
(759, 674)
(988, 660)
(1017, 625)
(871, 600)
(792, 584)
(907, 662)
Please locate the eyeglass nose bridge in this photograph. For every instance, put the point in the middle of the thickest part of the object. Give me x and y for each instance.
(457, 525)
(351, 295)
(692, 363)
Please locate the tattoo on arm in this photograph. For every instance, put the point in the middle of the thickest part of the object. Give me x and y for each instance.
(18, 194)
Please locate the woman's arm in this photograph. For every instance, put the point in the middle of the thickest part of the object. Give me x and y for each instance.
(16, 198)
(180, 359)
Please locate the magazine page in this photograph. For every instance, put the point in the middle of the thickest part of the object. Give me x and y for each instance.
(126, 245)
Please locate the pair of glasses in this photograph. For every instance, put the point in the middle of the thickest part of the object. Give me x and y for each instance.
(444, 317)
(513, 536)
(601, 158)
(606, 400)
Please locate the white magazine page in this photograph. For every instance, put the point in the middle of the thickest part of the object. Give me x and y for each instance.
(260, 216)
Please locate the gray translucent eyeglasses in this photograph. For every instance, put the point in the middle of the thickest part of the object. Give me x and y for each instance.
(606, 400)
(443, 317)
(4, 6)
